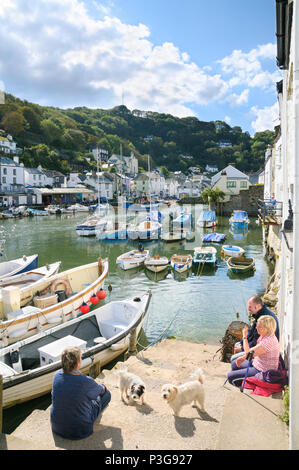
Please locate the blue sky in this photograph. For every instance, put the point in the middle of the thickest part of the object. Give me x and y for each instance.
(215, 59)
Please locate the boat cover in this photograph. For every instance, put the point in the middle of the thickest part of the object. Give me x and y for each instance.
(207, 216)
(239, 215)
(214, 237)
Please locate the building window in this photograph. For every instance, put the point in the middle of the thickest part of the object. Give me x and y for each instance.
(14, 172)
(231, 184)
(3, 179)
(5, 171)
(14, 180)
(243, 184)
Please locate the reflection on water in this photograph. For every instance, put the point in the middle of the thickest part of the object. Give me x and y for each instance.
(196, 306)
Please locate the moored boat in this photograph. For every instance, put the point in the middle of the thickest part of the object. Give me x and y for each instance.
(18, 266)
(207, 219)
(232, 250)
(28, 366)
(240, 264)
(156, 263)
(205, 255)
(239, 219)
(181, 263)
(52, 305)
(132, 259)
(91, 226)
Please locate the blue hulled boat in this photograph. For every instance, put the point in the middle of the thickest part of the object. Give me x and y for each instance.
(239, 219)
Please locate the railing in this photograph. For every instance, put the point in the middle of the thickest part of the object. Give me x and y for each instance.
(268, 211)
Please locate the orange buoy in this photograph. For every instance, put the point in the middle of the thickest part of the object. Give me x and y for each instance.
(84, 308)
(94, 299)
(101, 294)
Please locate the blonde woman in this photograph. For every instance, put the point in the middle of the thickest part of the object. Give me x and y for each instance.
(265, 353)
(77, 399)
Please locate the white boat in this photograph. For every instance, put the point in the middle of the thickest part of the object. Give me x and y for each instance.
(18, 266)
(148, 230)
(207, 219)
(184, 220)
(36, 212)
(205, 255)
(80, 284)
(232, 250)
(91, 226)
(181, 263)
(30, 278)
(156, 263)
(77, 208)
(132, 259)
(55, 209)
(113, 231)
(28, 366)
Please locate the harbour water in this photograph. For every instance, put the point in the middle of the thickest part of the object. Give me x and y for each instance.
(196, 307)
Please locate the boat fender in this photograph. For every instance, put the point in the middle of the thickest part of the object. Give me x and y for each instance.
(64, 282)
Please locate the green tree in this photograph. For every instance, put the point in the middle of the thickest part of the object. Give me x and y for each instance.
(14, 123)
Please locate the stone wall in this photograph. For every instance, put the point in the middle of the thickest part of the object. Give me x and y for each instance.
(247, 200)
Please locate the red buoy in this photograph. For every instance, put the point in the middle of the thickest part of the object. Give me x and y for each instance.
(101, 294)
(84, 308)
(94, 299)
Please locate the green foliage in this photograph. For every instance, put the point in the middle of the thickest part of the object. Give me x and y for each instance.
(164, 137)
(286, 405)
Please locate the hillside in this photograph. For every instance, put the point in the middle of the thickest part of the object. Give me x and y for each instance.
(62, 138)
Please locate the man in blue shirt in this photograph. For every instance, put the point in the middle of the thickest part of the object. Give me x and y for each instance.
(77, 399)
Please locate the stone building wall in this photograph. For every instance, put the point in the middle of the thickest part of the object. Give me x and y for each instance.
(247, 200)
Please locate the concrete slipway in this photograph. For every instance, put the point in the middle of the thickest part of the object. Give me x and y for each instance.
(232, 420)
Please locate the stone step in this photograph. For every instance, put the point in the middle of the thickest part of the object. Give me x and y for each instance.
(251, 422)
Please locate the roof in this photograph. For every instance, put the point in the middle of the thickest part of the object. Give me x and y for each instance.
(45, 191)
(8, 161)
(231, 173)
(34, 171)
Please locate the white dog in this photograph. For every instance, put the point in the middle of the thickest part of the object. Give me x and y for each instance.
(131, 386)
(181, 395)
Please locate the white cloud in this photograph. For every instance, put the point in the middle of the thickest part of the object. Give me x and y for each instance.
(267, 118)
(248, 68)
(238, 100)
(55, 53)
(228, 119)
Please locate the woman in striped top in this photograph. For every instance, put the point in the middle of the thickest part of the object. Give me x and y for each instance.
(266, 352)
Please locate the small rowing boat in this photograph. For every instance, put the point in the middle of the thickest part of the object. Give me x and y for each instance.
(132, 259)
(240, 264)
(232, 250)
(181, 263)
(156, 263)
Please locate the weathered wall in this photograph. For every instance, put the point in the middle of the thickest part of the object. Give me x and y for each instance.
(247, 200)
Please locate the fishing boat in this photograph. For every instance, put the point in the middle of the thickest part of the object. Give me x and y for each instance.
(205, 255)
(30, 278)
(91, 226)
(103, 334)
(214, 237)
(181, 263)
(156, 263)
(232, 250)
(240, 264)
(36, 212)
(176, 236)
(132, 259)
(55, 209)
(18, 266)
(59, 298)
(207, 219)
(239, 219)
(77, 208)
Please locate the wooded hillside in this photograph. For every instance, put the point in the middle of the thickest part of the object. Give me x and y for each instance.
(62, 138)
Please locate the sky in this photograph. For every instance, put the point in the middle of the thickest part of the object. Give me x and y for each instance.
(214, 59)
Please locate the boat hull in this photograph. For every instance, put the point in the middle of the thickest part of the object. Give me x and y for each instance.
(240, 264)
(181, 264)
(18, 266)
(23, 387)
(84, 280)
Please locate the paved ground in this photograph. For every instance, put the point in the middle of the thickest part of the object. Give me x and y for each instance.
(224, 425)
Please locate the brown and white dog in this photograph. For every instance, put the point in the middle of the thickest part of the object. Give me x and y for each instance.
(178, 396)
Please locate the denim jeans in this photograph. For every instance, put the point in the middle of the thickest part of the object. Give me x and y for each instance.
(237, 374)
